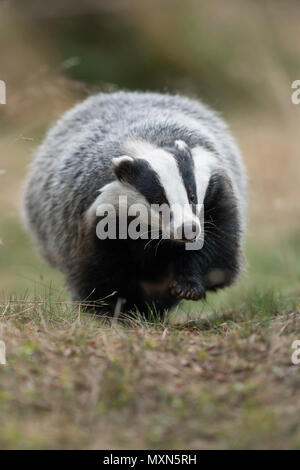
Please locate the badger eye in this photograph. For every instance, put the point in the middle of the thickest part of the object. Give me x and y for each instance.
(192, 197)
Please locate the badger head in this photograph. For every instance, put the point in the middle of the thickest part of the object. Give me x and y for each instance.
(170, 182)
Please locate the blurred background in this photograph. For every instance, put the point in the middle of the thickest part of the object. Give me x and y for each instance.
(240, 57)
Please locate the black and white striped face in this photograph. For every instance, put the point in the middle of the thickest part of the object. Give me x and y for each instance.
(175, 176)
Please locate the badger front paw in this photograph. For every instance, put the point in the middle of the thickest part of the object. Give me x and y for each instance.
(187, 289)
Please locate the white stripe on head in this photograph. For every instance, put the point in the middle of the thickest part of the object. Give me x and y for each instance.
(165, 166)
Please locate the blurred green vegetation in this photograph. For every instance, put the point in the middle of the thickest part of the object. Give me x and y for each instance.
(230, 54)
(23, 272)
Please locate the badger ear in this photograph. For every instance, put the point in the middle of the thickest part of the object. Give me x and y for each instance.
(181, 145)
(124, 168)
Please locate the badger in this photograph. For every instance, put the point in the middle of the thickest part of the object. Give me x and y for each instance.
(154, 149)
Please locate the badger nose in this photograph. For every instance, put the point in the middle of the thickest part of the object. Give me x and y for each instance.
(189, 231)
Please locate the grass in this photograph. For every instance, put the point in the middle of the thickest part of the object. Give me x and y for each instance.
(211, 375)
(73, 381)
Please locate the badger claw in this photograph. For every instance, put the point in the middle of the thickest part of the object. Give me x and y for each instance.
(190, 290)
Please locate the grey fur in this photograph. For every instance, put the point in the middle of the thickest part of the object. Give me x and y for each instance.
(75, 161)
